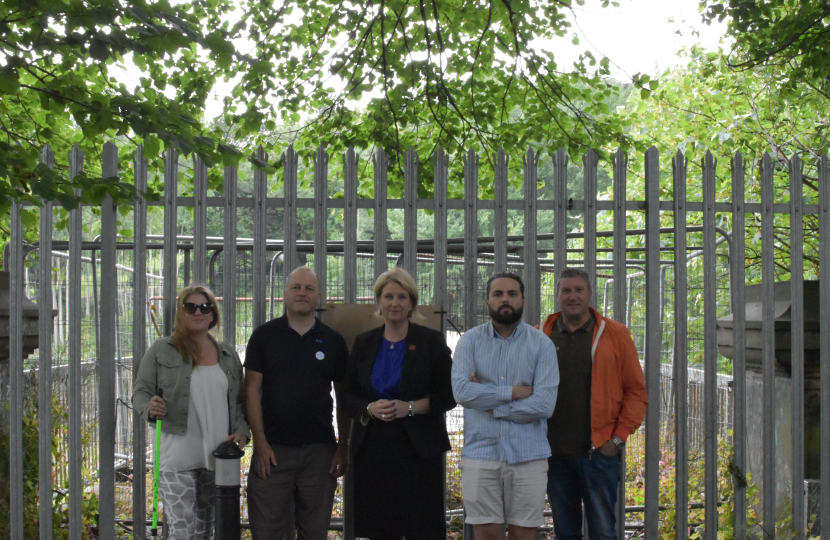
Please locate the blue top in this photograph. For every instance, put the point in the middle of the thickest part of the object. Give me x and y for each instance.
(386, 373)
(496, 428)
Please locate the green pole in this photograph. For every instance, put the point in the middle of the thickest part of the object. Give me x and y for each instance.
(154, 530)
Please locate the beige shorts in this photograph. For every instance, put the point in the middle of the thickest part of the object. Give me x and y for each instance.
(495, 490)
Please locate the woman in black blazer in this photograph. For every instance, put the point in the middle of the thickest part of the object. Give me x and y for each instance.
(397, 389)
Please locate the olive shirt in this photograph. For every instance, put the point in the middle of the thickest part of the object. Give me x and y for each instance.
(164, 368)
(569, 429)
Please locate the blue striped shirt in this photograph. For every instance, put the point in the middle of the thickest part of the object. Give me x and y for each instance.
(496, 428)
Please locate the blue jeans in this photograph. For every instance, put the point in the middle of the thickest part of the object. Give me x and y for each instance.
(592, 480)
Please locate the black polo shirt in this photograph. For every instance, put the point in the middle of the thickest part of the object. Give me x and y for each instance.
(297, 372)
(569, 429)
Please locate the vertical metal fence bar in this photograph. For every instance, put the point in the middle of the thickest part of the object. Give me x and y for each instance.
(229, 282)
(532, 273)
(653, 341)
(289, 216)
(441, 178)
(589, 171)
(710, 347)
(106, 363)
(410, 214)
(169, 285)
(737, 272)
(381, 225)
(500, 214)
(350, 161)
(199, 220)
(824, 373)
(768, 343)
(289, 262)
(76, 163)
(797, 322)
(187, 255)
(560, 216)
(321, 188)
(45, 330)
(16, 389)
(680, 359)
(139, 343)
(471, 299)
(620, 165)
(259, 256)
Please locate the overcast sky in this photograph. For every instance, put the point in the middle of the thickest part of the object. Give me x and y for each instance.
(638, 36)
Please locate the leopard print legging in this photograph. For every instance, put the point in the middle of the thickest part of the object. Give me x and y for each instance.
(187, 498)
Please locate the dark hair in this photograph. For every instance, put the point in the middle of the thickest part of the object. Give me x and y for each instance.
(572, 273)
(509, 275)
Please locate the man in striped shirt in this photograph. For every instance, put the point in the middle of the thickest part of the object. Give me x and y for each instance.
(506, 376)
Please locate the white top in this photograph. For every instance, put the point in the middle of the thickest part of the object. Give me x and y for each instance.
(207, 423)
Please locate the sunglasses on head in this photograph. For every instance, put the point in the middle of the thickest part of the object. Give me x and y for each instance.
(191, 308)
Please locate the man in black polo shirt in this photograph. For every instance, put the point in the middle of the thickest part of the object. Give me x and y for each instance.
(290, 364)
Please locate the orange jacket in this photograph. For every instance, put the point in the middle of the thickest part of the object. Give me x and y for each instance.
(618, 389)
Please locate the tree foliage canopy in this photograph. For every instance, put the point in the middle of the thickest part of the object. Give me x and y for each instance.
(789, 33)
(390, 73)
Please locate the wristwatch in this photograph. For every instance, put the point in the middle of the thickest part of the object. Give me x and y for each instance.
(618, 442)
(411, 408)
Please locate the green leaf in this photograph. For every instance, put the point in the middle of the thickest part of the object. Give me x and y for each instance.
(98, 50)
(152, 146)
(9, 80)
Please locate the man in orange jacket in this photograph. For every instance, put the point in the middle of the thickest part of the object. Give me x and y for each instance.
(602, 400)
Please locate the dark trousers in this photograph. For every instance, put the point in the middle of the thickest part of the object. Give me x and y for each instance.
(590, 480)
(302, 472)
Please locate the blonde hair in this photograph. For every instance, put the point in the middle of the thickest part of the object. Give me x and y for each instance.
(402, 278)
(182, 338)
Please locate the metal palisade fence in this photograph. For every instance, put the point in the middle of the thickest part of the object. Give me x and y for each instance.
(474, 256)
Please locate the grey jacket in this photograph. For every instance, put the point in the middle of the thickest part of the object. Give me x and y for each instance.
(163, 367)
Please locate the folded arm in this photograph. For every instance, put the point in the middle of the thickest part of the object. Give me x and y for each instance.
(540, 404)
(468, 392)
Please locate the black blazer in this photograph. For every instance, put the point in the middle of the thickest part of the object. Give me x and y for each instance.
(427, 363)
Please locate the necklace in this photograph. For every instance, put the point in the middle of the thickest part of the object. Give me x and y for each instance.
(393, 343)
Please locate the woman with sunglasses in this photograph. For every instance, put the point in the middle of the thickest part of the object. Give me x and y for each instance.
(191, 369)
